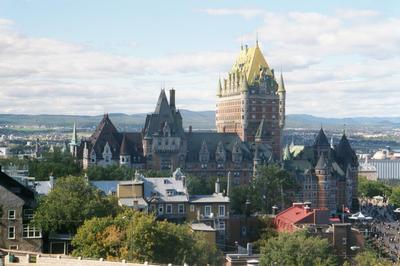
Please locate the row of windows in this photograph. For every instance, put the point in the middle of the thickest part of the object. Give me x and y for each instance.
(28, 231)
(12, 215)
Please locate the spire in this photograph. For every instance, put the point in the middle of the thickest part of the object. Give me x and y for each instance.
(287, 155)
(124, 146)
(345, 153)
(281, 84)
(162, 103)
(219, 91)
(321, 139)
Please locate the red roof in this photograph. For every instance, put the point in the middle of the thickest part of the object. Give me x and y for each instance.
(300, 214)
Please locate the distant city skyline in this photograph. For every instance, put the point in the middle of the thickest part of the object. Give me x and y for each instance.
(339, 59)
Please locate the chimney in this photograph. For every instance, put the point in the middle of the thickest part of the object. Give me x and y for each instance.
(249, 249)
(217, 186)
(172, 99)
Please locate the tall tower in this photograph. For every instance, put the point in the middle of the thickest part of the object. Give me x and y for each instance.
(73, 145)
(249, 96)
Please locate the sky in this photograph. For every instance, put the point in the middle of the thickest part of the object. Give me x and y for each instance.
(338, 58)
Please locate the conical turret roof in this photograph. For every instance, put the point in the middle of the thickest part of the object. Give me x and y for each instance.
(124, 146)
(322, 163)
(345, 153)
(321, 139)
(162, 106)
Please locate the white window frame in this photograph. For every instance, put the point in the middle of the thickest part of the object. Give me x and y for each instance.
(13, 217)
(170, 208)
(30, 231)
(219, 211)
(160, 209)
(180, 211)
(205, 210)
(192, 207)
(8, 232)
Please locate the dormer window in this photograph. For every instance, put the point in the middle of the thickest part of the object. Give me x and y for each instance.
(170, 192)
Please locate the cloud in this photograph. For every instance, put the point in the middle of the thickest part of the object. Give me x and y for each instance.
(246, 13)
(341, 64)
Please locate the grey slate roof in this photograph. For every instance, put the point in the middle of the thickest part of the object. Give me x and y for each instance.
(212, 139)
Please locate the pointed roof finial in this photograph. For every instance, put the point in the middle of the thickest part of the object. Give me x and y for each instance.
(257, 38)
(344, 129)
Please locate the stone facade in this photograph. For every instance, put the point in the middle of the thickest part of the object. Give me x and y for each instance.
(16, 211)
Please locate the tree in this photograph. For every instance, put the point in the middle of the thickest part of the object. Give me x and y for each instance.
(54, 163)
(297, 249)
(395, 196)
(113, 172)
(271, 187)
(369, 258)
(139, 237)
(369, 188)
(70, 203)
(204, 186)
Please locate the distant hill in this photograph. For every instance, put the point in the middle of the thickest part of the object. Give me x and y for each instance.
(200, 120)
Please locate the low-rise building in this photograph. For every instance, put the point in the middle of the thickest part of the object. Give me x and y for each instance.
(16, 211)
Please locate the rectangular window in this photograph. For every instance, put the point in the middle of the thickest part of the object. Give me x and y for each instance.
(28, 214)
(11, 214)
(221, 210)
(181, 208)
(168, 208)
(207, 210)
(11, 232)
(191, 207)
(160, 209)
(221, 225)
(30, 231)
(13, 247)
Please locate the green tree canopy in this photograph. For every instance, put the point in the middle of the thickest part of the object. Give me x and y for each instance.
(369, 258)
(70, 203)
(369, 188)
(271, 187)
(297, 249)
(137, 236)
(53, 163)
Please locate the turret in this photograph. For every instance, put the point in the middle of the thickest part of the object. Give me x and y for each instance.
(282, 101)
(124, 155)
(219, 89)
(73, 145)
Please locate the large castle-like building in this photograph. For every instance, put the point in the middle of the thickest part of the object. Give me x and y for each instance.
(249, 119)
